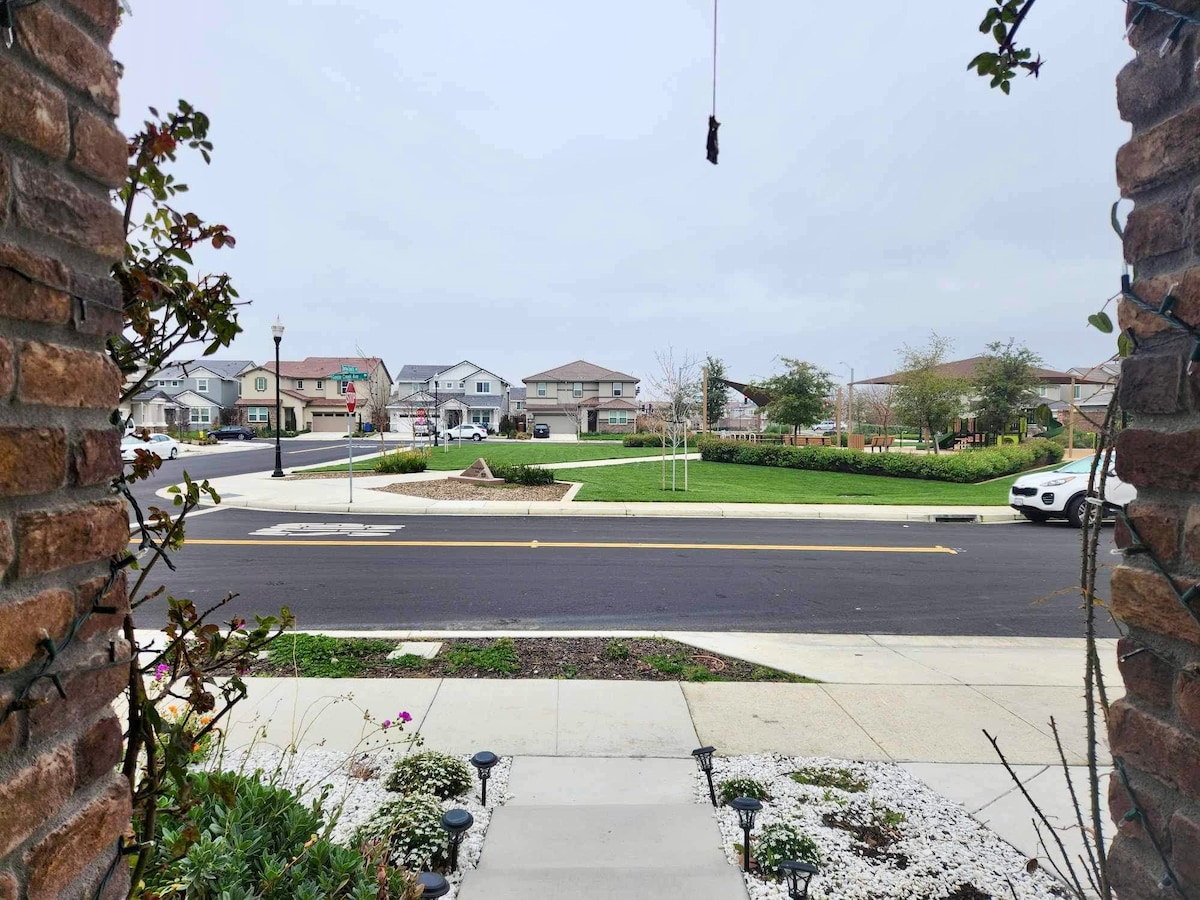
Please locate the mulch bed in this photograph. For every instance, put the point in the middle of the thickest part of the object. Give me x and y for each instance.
(461, 490)
(618, 659)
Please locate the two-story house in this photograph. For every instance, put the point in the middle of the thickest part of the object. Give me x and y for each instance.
(197, 395)
(310, 398)
(445, 396)
(581, 396)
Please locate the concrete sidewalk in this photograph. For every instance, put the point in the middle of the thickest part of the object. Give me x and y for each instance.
(922, 702)
(331, 495)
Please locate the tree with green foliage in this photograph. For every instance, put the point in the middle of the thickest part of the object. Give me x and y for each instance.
(798, 395)
(1005, 383)
(714, 370)
(927, 397)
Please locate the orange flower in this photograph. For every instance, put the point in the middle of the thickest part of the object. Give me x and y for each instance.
(173, 709)
(195, 748)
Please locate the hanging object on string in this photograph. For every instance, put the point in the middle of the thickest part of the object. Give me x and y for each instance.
(711, 148)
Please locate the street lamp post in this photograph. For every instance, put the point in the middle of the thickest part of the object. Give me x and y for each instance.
(277, 334)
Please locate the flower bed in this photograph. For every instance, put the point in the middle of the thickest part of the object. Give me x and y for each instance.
(876, 831)
(355, 789)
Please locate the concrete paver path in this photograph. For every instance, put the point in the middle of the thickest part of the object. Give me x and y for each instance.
(596, 829)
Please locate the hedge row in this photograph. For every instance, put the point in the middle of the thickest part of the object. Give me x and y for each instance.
(967, 466)
(522, 474)
(401, 462)
(643, 439)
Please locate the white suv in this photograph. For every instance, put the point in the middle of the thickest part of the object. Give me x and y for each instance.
(1061, 493)
(467, 432)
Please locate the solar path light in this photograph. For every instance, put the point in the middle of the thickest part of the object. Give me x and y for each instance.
(434, 885)
(456, 822)
(704, 759)
(796, 876)
(484, 761)
(747, 808)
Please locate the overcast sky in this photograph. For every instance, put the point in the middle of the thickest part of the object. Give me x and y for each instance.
(523, 183)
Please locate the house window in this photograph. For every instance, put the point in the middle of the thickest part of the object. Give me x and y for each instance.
(342, 386)
(299, 384)
(260, 384)
(541, 389)
(258, 414)
(520, 404)
(199, 415)
(202, 385)
(577, 389)
(482, 417)
(1042, 390)
(320, 385)
(461, 384)
(1077, 392)
(618, 418)
(617, 390)
(481, 387)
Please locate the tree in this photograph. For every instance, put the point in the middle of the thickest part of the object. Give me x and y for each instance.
(680, 385)
(878, 405)
(1005, 382)
(373, 399)
(717, 391)
(799, 394)
(927, 397)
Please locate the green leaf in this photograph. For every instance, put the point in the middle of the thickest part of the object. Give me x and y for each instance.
(1006, 86)
(1124, 345)
(1116, 223)
(999, 33)
(1101, 322)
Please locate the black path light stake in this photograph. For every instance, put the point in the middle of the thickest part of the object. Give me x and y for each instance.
(796, 876)
(747, 808)
(483, 761)
(434, 885)
(456, 822)
(703, 757)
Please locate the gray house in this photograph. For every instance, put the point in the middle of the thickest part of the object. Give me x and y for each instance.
(195, 394)
(447, 396)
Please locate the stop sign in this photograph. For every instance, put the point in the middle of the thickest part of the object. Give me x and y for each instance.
(351, 397)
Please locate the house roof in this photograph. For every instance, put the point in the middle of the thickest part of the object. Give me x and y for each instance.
(420, 372)
(516, 393)
(223, 368)
(965, 368)
(323, 366)
(287, 392)
(191, 398)
(580, 370)
(608, 403)
(149, 396)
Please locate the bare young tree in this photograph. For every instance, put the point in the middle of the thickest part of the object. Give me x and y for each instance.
(374, 399)
(879, 405)
(679, 385)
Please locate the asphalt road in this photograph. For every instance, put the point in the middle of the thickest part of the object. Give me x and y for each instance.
(259, 458)
(683, 574)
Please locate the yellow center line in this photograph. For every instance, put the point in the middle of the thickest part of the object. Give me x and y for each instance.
(569, 545)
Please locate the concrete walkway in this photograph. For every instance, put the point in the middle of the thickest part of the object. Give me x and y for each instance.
(595, 829)
(331, 495)
(922, 702)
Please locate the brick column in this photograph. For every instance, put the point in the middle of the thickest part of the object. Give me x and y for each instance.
(1155, 729)
(63, 806)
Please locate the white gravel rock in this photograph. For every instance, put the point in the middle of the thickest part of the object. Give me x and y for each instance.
(353, 800)
(940, 847)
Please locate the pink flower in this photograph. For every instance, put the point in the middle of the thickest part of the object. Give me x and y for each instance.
(404, 717)
(387, 723)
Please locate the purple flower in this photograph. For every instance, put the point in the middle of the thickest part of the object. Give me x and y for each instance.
(404, 717)
(387, 723)
(161, 671)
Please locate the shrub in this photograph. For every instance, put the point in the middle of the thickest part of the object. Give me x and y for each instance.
(643, 439)
(230, 835)
(783, 840)
(616, 650)
(430, 772)
(968, 466)
(524, 436)
(522, 474)
(402, 462)
(742, 787)
(412, 830)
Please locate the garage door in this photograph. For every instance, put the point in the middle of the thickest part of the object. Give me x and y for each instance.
(558, 424)
(329, 422)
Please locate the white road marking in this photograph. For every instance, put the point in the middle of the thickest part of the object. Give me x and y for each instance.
(326, 529)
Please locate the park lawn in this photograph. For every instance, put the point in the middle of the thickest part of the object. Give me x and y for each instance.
(457, 458)
(710, 482)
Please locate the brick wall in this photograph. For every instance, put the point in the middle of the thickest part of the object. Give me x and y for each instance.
(1155, 729)
(63, 806)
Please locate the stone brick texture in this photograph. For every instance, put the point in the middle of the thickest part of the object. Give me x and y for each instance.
(62, 807)
(1155, 729)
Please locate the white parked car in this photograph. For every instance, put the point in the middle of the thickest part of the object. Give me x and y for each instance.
(162, 445)
(1061, 493)
(465, 432)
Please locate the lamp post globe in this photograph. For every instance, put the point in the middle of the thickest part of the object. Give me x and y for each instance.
(277, 334)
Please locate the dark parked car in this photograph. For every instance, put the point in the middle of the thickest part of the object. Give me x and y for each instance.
(541, 431)
(234, 433)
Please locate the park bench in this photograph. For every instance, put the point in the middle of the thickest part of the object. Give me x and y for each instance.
(882, 442)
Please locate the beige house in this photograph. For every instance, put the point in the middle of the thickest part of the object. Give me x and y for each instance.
(310, 398)
(581, 396)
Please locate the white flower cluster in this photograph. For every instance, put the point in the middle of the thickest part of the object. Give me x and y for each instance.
(939, 851)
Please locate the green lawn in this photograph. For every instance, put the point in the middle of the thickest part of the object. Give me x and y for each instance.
(731, 483)
(456, 458)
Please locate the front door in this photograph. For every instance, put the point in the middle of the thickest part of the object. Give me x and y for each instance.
(593, 417)
(289, 419)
